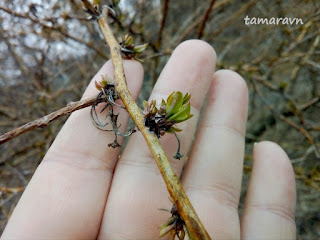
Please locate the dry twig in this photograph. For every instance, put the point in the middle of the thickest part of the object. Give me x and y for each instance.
(44, 121)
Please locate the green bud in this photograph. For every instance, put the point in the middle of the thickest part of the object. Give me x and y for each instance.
(98, 85)
(128, 40)
(174, 129)
(167, 227)
(283, 85)
(96, 2)
(103, 82)
(145, 105)
(154, 110)
(140, 48)
(153, 103)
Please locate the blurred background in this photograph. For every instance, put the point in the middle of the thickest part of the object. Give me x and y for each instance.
(49, 51)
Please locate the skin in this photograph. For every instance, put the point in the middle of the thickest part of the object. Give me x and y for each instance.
(83, 190)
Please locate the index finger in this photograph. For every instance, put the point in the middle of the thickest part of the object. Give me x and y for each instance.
(65, 198)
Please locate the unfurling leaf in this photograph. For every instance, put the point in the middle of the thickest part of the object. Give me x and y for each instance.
(154, 110)
(163, 119)
(103, 82)
(162, 109)
(128, 41)
(186, 98)
(98, 85)
(167, 227)
(145, 105)
(174, 103)
(140, 48)
(174, 129)
(128, 49)
(182, 115)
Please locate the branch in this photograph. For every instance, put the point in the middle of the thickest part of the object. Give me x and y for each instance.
(205, 19)
(291, 123)
(163, 22)
(192, 22)
(57, 29)
(44, 121)
(185, 209)
(236, 15)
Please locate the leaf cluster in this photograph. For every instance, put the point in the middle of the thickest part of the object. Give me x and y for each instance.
(163, 119)
(129, 50)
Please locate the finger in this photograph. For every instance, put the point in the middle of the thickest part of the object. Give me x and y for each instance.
(66, 197)
(138, 190)
(212, 178)
(270, 204)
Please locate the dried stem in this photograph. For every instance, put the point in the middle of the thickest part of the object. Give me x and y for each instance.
(185, 209)
(44, 121)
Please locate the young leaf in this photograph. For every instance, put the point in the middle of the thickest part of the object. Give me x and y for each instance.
(182, 115)
(174, 103)
(186, 98)
(145, 105)
(154, 110)
(166, 227)
(128, 40)
(98, 85)
(140, 48)
(174, 129)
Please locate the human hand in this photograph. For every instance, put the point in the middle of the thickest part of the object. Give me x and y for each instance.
(82, 190)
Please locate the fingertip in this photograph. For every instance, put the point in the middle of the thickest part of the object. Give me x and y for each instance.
(228, 100)
(273, 163)
(273, 155)
(197, 46)
(189, 69)
(233, 80)
(269, 211)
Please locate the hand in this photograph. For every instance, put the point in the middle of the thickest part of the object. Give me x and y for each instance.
(82, 190)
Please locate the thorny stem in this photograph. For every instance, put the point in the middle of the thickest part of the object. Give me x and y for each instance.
(185, 209)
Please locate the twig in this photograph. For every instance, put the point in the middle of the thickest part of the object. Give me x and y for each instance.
(205, 19)
(17, 173)
(291, 123)
(163, 22)
(58, 29)
(44, 121)
(185, 209)
(192, 22)
(11, 189)
(309, 103)
(234, 16)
